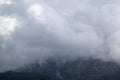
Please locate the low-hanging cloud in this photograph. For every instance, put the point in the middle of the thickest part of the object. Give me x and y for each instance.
(39, 29)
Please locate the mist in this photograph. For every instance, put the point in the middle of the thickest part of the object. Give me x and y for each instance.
(40, 29)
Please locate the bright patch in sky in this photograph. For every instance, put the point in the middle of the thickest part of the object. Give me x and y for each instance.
(37, 11)
(7, 25)
(6, 1)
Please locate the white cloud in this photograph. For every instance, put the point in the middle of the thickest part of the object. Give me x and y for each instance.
(6, 1)
(7, 26)
(37, 11)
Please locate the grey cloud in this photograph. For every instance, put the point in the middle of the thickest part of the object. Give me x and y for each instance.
(49, 28)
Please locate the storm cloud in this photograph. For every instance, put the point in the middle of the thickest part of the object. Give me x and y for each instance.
(39, 29)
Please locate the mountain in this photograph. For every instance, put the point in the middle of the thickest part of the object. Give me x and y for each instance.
(79, 69)
(76, 70)
(23, 76)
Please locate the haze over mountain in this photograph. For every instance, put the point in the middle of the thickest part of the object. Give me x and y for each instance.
(33, 30)
(56, 69)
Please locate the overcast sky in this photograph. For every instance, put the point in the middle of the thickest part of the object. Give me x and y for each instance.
(39, 29)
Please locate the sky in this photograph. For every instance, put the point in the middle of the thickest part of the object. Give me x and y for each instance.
(40, 29)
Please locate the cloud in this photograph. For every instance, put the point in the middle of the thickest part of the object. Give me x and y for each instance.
(6, 1)
(42, 29)
(7, 26)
